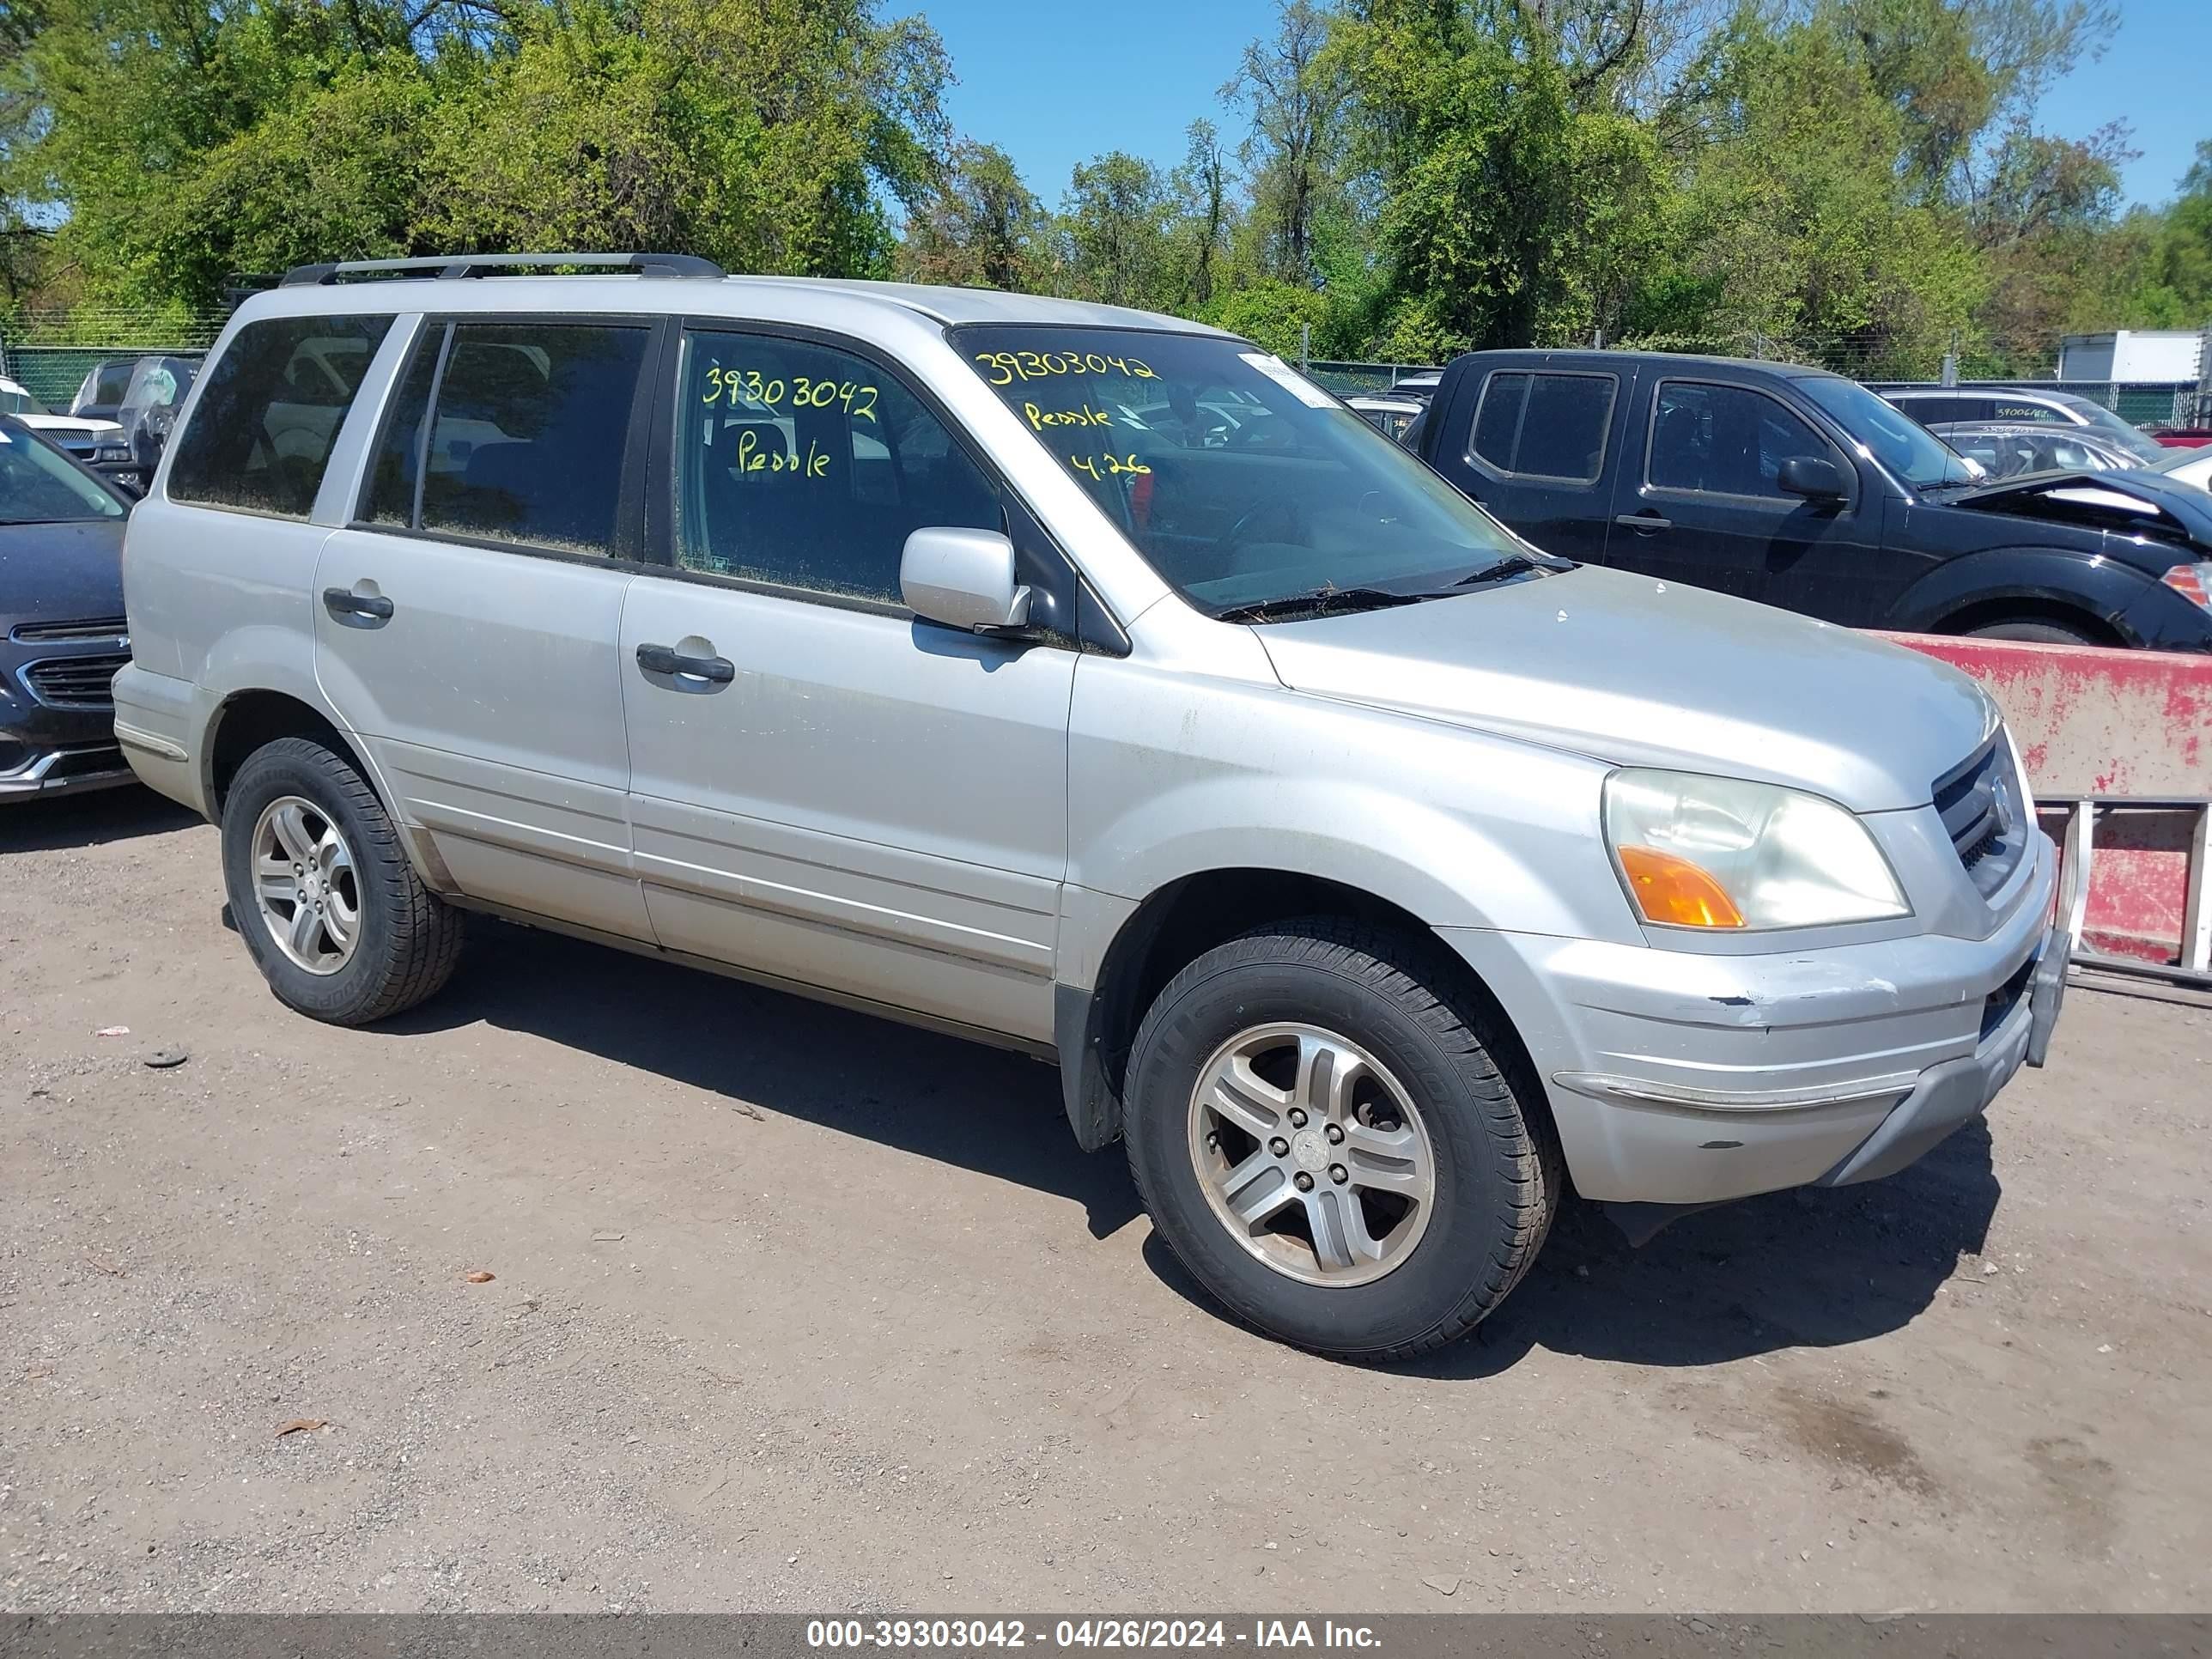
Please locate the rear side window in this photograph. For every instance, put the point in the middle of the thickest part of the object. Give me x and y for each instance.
(261, 434)
(526, 429)
(1545, 425)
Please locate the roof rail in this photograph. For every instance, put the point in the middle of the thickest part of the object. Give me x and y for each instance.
(486, 265)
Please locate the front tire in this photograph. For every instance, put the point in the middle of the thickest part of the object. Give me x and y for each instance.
(1323, 1134)
(322, 892)
(2043, 633)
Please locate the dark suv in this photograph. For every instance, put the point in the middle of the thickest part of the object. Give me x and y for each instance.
(1804, 489)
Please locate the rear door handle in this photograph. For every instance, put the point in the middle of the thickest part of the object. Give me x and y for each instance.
(1644, 521)
(344, 602)
(667, 659)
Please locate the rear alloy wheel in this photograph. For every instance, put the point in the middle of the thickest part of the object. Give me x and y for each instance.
(1320, 1128)
(321, 890)
(305, 886)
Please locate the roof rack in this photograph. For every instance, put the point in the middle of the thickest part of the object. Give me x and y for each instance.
(486, 265)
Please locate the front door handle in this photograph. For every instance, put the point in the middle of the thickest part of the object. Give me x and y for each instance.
(667, 659)
(1644, 521)
(344, 602)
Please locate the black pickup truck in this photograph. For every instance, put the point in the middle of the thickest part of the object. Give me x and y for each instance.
(1803, 489)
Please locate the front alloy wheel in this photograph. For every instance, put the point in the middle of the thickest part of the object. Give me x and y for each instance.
(1311, 1154)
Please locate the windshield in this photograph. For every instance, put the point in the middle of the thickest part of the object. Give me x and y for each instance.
(2137, 442)
(1241, 482)
(14, 400)
(1907, 449)
(38, 486)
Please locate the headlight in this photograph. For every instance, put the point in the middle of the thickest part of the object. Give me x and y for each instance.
(1699, 852)
(111, 452)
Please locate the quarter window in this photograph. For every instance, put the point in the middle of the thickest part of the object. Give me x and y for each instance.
(806, 466)
(1545, 425)
(1725, 440)
(260, 436)
(528, 424)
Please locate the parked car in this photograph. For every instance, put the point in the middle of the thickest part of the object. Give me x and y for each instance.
(2189, 466)
(2009, 449)
(148, 412)
(1369, 872)
(1943, 406)
(1391, 416)
(96, 443)
(100, 394)
(62, 632)
(1803, 489)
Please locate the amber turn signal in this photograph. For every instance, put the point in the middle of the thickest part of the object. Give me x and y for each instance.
(1675, 892)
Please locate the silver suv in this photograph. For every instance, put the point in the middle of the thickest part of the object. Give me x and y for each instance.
(1092, 684)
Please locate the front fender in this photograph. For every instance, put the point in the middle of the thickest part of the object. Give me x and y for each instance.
(1170, 778)
(2099, 588)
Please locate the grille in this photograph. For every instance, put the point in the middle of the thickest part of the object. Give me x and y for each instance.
(75, 682)
(1981, 813)
(97, 628)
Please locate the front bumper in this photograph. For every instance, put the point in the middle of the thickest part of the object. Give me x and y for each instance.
(66, 772)
(1677, 1079)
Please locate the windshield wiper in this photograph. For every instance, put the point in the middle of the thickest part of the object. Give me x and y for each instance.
(1513, 564)
(1320, 602)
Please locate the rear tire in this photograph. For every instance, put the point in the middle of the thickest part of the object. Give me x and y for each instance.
(300, 827)
(2044, 633)
(1428, 1108)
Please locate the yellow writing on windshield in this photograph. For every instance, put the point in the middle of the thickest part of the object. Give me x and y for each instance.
(1103, 467)
(745, 386)
(1041, 418)
(1008, 367)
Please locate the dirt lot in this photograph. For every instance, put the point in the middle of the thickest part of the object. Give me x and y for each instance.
(797, 1310)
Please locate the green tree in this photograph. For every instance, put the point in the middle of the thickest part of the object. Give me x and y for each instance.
(981, 226)
(1293, 89)
(1113, 232)
(1204, 220)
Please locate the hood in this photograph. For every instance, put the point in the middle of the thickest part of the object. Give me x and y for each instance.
(69, 423)
(1645, 673)
(2126, 500)
(60, 572)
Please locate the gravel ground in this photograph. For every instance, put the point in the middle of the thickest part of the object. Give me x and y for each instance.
(790, 1309)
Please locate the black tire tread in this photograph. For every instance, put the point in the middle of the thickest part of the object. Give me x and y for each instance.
(1418, 976)
(427, 934)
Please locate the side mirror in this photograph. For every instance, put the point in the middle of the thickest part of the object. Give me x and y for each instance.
(1811, 476)
(963, 579)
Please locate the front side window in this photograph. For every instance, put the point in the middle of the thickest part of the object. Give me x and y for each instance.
(1545, 425)
(806, 466)
(526, 431)
(14, 400)
(256, 441)
(1239, 480)
(1725, 440)
(38, 486)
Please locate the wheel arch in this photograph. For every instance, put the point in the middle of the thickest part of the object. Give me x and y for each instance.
(2026, 583)
(1181, 919)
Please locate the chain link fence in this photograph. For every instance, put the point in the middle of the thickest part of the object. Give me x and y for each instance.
(48, 353)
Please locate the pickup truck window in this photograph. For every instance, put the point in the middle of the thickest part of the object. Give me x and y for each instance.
(1543, 426)
(1237, 479)
(1724, 441)
(1906, 449)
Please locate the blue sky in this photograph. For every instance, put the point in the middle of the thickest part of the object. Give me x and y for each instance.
(1055, 83)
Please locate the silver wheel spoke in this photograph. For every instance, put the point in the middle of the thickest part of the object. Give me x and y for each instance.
(1247, 1099)
(1341, 1240)
(1385, 1160)
(303, 931)
(288, 823)
(339, 921)
(1256, 1189)
(1327, 1074)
